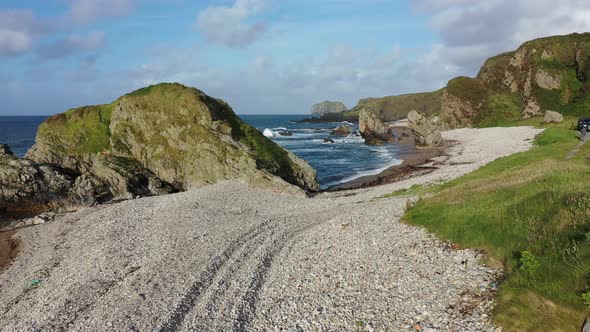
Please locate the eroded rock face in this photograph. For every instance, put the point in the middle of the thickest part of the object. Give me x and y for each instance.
(426, 133)
(163, 138)
(373, 130)
(456, 112)
(27, 186)
(551, 116)
(547, 81)
(531, 109)
(328, 107)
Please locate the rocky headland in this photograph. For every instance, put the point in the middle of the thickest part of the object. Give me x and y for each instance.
(157, 140)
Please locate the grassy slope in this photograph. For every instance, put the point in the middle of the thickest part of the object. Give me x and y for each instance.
(533, 201)
(393, 108)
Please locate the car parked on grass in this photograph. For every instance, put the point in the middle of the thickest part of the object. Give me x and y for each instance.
(583, 127)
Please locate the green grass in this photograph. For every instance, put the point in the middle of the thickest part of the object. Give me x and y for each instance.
(83, 130)
(392, 108)
(533, 201)
(499, 109)
(469, 89)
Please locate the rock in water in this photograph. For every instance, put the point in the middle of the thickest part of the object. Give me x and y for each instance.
(551, 116)
(166, 134)
(373, 130)
(426, 134)
(341, 131)
(328, 107)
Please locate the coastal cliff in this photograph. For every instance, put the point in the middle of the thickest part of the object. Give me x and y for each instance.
(546, 74)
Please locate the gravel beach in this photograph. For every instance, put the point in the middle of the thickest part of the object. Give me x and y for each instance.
(231, 258)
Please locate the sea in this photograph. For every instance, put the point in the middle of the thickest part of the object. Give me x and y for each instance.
(346, 159)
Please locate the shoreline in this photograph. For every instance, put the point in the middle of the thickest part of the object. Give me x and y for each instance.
(285, 250)
(413, 164)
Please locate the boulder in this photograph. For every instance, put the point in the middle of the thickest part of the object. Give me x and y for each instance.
(329, 140)
(373, 130)
(341, 131)
(551, 116)
(286, 133)
(426, 133)
(164, 138)
(327, 107)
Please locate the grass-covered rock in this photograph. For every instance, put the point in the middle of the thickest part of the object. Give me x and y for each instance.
(543, 74)
(392, 108)
(172, 132)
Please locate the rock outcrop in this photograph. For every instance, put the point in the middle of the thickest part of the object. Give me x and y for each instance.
(164, 138)
(27, 186)
(373, 130)
(551, 116)
(328, 107)
(542, 74)
(341, 131)
(426, 133)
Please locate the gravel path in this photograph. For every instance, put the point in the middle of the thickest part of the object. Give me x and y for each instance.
(230, 258)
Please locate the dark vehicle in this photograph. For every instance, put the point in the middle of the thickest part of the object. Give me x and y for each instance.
(583, 127)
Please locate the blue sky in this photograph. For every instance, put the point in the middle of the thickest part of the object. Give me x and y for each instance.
(262, 56)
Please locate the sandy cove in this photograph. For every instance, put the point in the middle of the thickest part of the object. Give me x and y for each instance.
(227, 257)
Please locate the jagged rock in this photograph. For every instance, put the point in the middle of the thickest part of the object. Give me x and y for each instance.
(166, 137)
(328, 140)
(88, 190)
(26, 186)
(531, 109)
(426, 134)
(551, 116)
(341, 131)
(286, 133)
(328, 107)
(373, 130)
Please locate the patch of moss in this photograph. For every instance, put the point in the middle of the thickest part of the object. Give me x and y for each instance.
(499, 109)
(79, 131)
(392, 108)
(467, 88)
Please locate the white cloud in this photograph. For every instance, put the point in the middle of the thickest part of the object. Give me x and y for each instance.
(86, 11)
(14, 42)
(228, 25)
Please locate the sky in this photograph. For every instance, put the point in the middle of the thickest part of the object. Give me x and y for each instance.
(261, 56)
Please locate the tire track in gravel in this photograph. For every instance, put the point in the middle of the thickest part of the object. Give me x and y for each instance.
(249, 303)
(204, 282)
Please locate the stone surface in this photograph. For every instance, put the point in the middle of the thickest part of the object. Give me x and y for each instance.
(341, 131)
(547, 81)
(28, 186)
(531, 109)
(551, 116)
(328, 107)
(426, 133)
(373, 130)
